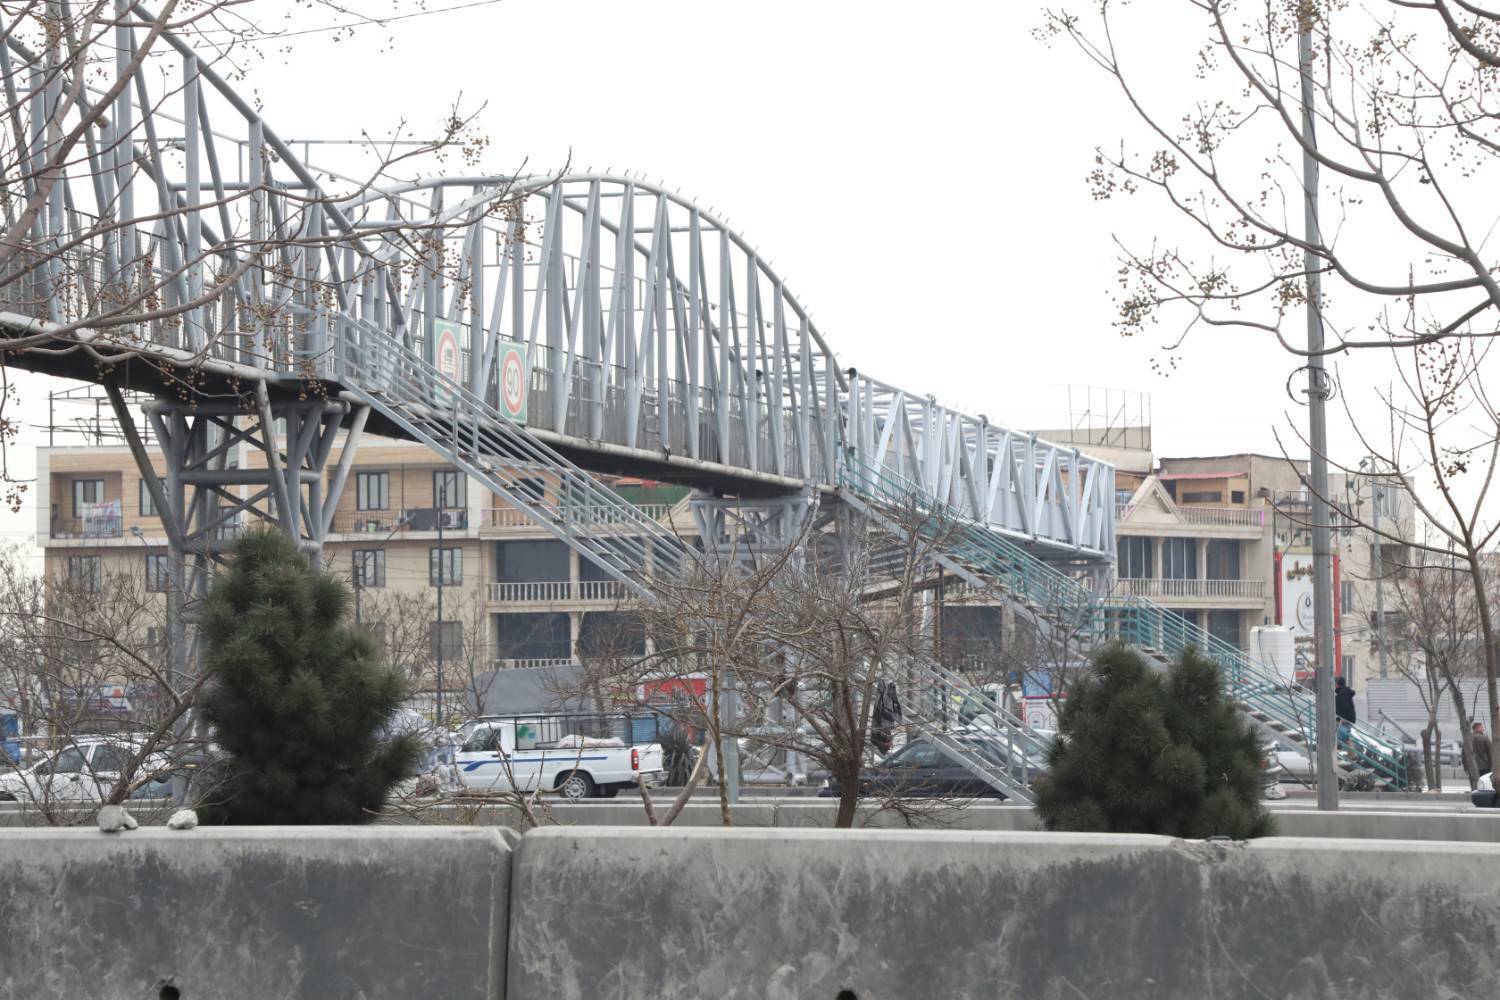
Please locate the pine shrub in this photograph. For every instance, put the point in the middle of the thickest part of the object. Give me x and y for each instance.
(1141, 751)
(299, 697)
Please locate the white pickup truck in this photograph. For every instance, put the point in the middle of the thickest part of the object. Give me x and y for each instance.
(520, 753)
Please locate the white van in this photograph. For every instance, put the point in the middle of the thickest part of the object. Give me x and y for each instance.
(522, 753)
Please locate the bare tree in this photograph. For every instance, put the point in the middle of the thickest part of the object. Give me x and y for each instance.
(82, 655)
(1436, 643)
(803, 639)
(1407, 140)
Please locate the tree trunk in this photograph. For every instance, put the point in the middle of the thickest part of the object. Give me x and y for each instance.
(717, 733)
(848, 799)
(1465, 734)
(1486, 631)
(1434, 773)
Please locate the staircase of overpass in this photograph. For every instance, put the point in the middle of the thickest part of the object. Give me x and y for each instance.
(577, 323)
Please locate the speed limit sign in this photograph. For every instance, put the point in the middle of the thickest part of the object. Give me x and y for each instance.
(514, 381)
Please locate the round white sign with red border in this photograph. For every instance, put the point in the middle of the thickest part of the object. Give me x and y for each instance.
(513, 382)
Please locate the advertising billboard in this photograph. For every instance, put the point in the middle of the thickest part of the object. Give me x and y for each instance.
(1294, 608)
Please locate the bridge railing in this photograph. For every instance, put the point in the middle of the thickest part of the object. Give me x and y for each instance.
(1034, 491)
(1090, 619)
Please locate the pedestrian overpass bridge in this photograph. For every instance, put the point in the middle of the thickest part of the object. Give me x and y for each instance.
(165, 239)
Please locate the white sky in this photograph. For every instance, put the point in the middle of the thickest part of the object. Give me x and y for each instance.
(916, 172)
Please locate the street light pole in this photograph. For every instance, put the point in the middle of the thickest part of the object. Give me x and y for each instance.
(1378, 564)
(441, 500)
(1317, 395)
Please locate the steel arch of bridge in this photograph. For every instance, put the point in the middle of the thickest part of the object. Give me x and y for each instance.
(659, 339)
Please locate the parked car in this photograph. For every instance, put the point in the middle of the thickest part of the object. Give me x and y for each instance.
(522, 753)
(757, 767)
(84, 771)
(921, 769)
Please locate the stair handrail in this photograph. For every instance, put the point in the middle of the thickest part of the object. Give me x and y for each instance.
(1131, 617)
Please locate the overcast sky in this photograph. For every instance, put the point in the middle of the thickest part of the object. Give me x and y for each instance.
(915, 172)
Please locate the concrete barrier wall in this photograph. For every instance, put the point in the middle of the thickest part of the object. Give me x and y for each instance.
(226, 914)
(825, 915)
(740, 914)
(1360, 823)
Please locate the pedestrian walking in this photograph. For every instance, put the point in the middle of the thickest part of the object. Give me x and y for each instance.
(1481, 744)
(1343, 701)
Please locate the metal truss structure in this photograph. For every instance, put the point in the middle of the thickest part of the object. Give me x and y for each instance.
(159, 234)
(657, 339)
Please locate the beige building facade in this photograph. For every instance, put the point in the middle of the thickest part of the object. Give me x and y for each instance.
(407, 528)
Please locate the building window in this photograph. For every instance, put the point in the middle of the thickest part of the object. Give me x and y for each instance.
(1135, 557)
(1223, 559)
(85, 493)
(445, 567)
(533, 636)
(1225, 626)
(533, 562)
(1236, 496)
(1179, 559)
(1216, 497)
(447, 640)
(369, 568)
(448, 488)
(83, 573)
(157, 573)
(1347, 670)
(611, 634)
(373, 491)
(1346, 596)
(147, 504)
(155, 642)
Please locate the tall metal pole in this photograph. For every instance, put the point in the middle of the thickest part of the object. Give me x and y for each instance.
(1378, 565)
(442, 561)
(1317, 395)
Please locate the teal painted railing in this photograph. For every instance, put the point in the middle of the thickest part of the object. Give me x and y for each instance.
(1091, 620)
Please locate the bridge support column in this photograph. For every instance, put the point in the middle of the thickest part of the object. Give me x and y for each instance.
(219, 465)
(750, 530)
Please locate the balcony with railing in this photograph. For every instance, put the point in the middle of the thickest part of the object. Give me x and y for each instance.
(1223, 591)
(1211, 517)
(555, 591)
(530, 591)
(393, 522)
(89, 527)
(524, 663)
(586, 515)
(1224, 517)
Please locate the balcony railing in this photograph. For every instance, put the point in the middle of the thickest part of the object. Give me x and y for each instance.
(1249, 590)
(544, 591)
(387, 522)
(588, 514)
(525, 664)
(530, 591)
(94, 526)
(601, 590)
(1226, 517)
(1219, 517)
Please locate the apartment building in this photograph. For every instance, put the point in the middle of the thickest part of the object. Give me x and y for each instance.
(408, 530)
(1195, 535)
